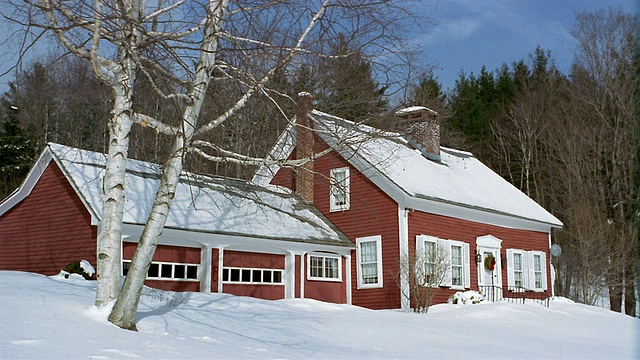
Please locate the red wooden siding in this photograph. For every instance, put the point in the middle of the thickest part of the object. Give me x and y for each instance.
(215, 258)
(48, 229)
(165, 253)
(372, 212)
(456, 229)
(328, 291)
(296, 275)
(254, 260)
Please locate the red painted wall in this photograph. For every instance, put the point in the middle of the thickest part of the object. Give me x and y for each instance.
(48, 229)
(254, 260)
(372, 212)
(329, 291)
(444, 227)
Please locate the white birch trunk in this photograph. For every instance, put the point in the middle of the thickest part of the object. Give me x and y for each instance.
(109, 247)
(124, 311)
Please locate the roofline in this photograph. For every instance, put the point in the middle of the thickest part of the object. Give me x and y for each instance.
(402, 197)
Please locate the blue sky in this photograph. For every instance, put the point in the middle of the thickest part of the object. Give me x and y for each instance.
(467, 34)
(470, 33)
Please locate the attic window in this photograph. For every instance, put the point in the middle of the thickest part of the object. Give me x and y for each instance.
(339, 189)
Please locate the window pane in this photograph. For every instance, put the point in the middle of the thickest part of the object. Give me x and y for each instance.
(456, 255)
(456, 275)
(166, 270)
(154, 270)
(517, 262)
(192, 272)
(331, 268)
(370, 273)
(246, 275)
(179, 271)
(257, 275)
(316, 266)
(368, 252)
(266, 276)
(125, 267)
(225, 274)
(537, 266)
(235, 275)
(277, 276)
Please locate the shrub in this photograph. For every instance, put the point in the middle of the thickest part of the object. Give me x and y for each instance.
(76, 268)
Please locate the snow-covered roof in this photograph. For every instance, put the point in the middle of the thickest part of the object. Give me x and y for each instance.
(458, 185)
(202, 203)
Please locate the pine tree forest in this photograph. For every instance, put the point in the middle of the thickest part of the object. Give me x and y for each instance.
(570, 141)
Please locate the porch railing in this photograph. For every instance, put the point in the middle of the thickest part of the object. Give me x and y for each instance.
(512, 294)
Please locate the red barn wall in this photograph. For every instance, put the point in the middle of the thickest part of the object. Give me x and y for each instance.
(371, 213)
(254, 260)
(328, 291)
(48, 229)
(445, 227)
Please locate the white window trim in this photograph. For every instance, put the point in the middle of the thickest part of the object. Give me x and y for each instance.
(528, 273)
(333, 206)
(229, 268)
(173, 270)
(445, 245)
(420, 248)
(378, 241)
(323, 278)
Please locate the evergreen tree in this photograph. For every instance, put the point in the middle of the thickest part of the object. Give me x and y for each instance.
(347, 87)
(17, 151)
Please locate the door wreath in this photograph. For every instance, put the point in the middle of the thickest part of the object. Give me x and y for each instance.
(490, 262)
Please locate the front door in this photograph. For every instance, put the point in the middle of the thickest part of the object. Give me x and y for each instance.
(489, 267)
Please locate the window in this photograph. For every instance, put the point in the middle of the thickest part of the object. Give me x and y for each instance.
(446, 262)
(320, 267)
(369, 262)
(427, 261)
(339, 196)
(166, 271)
(537, 271)
(252, 276)
(517, 270)
(526, 270)
(456, 266)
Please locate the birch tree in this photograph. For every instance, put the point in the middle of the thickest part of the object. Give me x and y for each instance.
(181, 48)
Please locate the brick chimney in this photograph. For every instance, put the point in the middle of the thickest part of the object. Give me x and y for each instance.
(303, 182)
(421, 128)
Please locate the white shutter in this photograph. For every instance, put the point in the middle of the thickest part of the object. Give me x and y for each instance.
(445, 247)
(466, 265)
(529, 276)
(510, 277)
(419, 258)
(543, 260)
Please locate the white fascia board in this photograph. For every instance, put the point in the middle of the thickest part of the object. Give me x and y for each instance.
(280, 151)
(178, 237)
(95, 219)
(29, 182)
(460, 211)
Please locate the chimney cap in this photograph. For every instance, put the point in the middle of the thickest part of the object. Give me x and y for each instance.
(415, 109)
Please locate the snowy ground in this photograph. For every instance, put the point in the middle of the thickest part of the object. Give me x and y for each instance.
(53, 318)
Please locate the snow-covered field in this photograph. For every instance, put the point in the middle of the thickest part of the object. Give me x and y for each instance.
(53, 318)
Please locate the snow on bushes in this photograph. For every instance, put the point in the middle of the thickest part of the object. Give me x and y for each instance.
(466, 298)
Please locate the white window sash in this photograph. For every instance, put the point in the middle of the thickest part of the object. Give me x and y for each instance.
(378, 263)
(324, 269)
(341, 186)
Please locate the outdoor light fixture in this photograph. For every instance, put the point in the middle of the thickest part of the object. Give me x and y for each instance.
(478, 257)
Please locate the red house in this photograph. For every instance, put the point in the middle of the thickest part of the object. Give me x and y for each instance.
(222, 235)
(396, 194)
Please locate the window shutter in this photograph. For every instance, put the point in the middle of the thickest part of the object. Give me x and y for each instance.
(527, 269)
(510, 277)
(466, 265)
(445, 247)
(543, 260)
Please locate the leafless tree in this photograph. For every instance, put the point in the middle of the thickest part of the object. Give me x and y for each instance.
(184, 49)
(423, 272)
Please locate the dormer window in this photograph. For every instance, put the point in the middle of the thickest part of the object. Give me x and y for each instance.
(339, 196)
